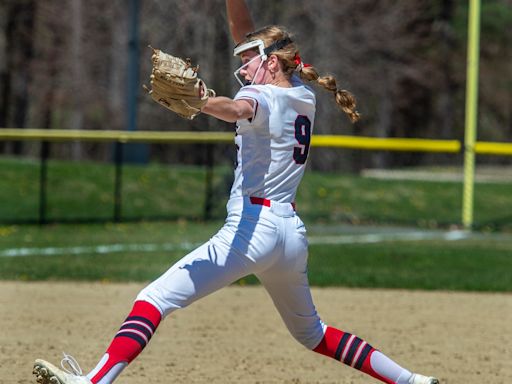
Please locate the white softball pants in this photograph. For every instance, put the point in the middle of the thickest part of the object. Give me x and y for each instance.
(269, 242)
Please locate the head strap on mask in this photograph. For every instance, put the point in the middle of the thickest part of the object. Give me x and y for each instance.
(277, 45)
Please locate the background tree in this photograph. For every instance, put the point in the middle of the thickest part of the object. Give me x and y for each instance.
(18, 30)
(64, 64)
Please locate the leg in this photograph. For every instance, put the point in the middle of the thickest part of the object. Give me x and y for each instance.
(357, 353)
(287, 283)
(295, 306)
(128, 343)
(241, 247)
(203, 271)
(212, 266)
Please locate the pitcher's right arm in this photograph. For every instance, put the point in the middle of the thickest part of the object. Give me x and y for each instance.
(239, 19)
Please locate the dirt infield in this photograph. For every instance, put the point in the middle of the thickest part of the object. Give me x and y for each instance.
(236, 336)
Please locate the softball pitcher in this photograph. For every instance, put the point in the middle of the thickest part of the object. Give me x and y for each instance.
(262, 235)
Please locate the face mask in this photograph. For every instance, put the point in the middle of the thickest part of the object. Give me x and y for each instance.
(263, 53)
(245, 47)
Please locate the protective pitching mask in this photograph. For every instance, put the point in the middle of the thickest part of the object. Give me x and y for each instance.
(263, 55)
(255, 44)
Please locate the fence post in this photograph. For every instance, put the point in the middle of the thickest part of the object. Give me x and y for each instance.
(118, 154)
(471, 113)
(208, 201)
(43, 173)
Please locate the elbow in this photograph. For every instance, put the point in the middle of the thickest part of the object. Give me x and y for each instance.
(239, 114)
(231, 117)
(243, 110)
(236, 114)
(227, 110)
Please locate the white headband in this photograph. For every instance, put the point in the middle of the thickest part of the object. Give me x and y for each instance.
(250, 45)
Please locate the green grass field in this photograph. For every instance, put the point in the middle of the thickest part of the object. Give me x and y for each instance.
(72, 252)
(85, 191)
(334, 206)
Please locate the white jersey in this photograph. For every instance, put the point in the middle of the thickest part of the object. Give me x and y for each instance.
(273, 145)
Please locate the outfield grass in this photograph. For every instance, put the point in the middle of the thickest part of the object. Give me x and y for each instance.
(326, 201)
(85, 191)
(479, 263)
(465, 265)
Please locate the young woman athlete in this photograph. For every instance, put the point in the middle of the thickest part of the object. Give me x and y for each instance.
(262, 234)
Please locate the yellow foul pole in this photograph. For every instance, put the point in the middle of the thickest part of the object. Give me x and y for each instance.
(471, 112)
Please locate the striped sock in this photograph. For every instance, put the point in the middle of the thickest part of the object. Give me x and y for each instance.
(133, 336)
(357, 353)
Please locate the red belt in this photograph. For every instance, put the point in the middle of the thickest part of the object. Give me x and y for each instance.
(265, 202)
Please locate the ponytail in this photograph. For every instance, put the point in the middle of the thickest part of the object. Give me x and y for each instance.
(345, 100)
(291, 62)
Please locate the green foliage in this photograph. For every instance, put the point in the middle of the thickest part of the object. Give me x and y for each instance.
(495, 20)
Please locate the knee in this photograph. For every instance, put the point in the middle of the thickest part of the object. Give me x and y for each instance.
(149, 296)
(163, 302)
(309, 336)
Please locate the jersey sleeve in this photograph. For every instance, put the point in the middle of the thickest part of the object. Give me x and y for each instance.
(260, 103)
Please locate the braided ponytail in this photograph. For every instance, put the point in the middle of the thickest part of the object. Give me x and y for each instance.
(291, 62)
(345, 100)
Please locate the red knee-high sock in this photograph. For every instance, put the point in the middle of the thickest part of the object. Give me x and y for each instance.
(133, 336)
(350, 350)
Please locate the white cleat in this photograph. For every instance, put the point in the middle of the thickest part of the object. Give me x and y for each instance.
(420, 379)
(47, 373)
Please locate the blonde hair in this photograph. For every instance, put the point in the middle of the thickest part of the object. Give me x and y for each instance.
(290, 61)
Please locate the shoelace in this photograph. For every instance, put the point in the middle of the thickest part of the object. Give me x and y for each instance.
(74, 368)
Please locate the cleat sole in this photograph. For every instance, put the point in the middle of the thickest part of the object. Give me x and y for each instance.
(43, 376)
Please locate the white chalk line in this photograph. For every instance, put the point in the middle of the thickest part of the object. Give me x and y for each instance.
(384, 237)
(188, 246)
(97, 249)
